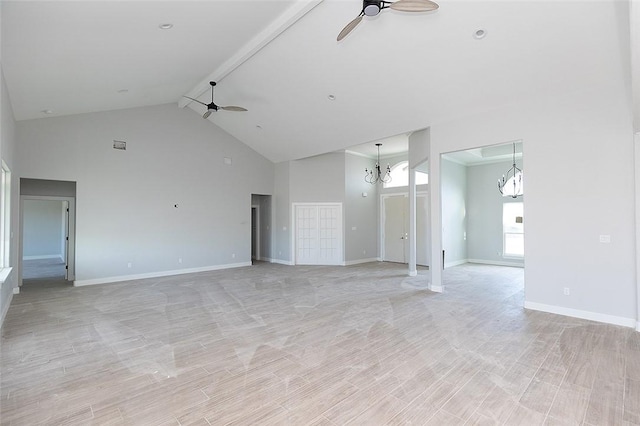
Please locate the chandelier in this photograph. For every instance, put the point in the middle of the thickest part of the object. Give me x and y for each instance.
(512, 184)
(375, 175)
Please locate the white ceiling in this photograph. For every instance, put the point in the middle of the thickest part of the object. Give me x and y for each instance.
(395, 73)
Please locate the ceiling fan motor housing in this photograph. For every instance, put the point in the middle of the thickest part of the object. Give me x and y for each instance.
(372, 7)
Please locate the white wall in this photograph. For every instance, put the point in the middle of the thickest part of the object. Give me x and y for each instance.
(7, 154)
(575, 144)
(125, 199)
(484, 212)
(455, 214)
(42, 229)
(282, 222)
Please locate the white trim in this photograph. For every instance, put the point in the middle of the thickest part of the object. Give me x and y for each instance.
(4, 273)
(456, 263)
(16, 290)
(107, 280)
(436, 288)
(280, 261)
(44, 256)
(6, 309)
(577, 313)
(359, 261)
(496, 263)
(258, 218)
(638, 326)
(359, 154)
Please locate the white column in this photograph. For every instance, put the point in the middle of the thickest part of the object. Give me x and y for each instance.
(435, 214)
(413, 270)
(637, 195)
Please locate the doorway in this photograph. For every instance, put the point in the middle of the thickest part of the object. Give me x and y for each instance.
(395, 228)
(47, 238)
(255, 232)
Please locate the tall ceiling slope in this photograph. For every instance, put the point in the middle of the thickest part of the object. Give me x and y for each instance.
(400, 72)
(74, 57)
(393, 74)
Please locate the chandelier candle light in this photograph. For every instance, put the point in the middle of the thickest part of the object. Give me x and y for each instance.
(375, 175)
(512, 184)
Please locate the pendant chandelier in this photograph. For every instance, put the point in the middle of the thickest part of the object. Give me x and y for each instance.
(512, 183)
(375, 174)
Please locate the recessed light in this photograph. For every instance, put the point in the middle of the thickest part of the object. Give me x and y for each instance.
(332, 97)
(165, 26)
(479, 33)
(47, 111)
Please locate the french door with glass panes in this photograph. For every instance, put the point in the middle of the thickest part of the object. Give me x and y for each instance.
(318, 234)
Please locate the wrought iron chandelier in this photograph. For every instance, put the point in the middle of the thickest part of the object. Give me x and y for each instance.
(512, 184)
(375, 174)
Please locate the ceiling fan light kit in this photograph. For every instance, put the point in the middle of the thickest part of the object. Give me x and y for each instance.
(373, 7)
(213, 107)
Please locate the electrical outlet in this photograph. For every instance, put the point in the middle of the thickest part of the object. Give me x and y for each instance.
(567, 291)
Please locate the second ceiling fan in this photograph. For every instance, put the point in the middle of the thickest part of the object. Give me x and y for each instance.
(213, 107)
(373, 7)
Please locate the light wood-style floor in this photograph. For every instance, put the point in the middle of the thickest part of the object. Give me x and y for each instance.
(272, 344)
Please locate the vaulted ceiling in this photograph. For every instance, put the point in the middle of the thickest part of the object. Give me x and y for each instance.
(395, 73)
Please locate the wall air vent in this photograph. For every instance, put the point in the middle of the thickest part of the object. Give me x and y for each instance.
(120, 145)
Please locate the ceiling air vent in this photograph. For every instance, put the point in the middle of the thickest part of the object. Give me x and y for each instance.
(120, 145)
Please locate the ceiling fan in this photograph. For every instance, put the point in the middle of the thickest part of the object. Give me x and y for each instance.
(373, 7)
(213, 107)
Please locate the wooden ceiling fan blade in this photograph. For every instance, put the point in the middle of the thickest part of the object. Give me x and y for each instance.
(414, 5)
(350, 26)
(207, 114)
(233, 108)
(195, 100)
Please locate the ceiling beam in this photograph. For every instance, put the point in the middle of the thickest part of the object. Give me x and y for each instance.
(277, 27)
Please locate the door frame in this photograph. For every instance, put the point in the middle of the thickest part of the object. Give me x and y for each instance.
(382, 214)
(71, 229)
(294, 229)
(257, 207)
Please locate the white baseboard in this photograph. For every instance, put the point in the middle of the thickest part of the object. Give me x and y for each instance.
(456, 263)
(5, 309)
(576, 313)
(436, 288)
(281, 262)
(120, 278)
(45, 256)
(638, 326)
(359, 261)
(16, 290)
(496, 263)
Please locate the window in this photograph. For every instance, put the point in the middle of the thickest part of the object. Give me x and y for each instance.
(513, 230)
(400, 176)
(5, 219)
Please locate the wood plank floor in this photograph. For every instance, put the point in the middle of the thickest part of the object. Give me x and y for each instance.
(272, 344)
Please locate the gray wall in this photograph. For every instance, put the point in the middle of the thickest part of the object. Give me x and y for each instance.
(50, 188)
(318, 179)
(484, 213)
(125, 199)
(360, 212)
(581, 138)
(43, 229)
(282, 222)
(454, 212)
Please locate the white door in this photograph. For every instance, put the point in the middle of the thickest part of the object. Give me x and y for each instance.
(318, 239)
(396, 225)
(396, 229)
